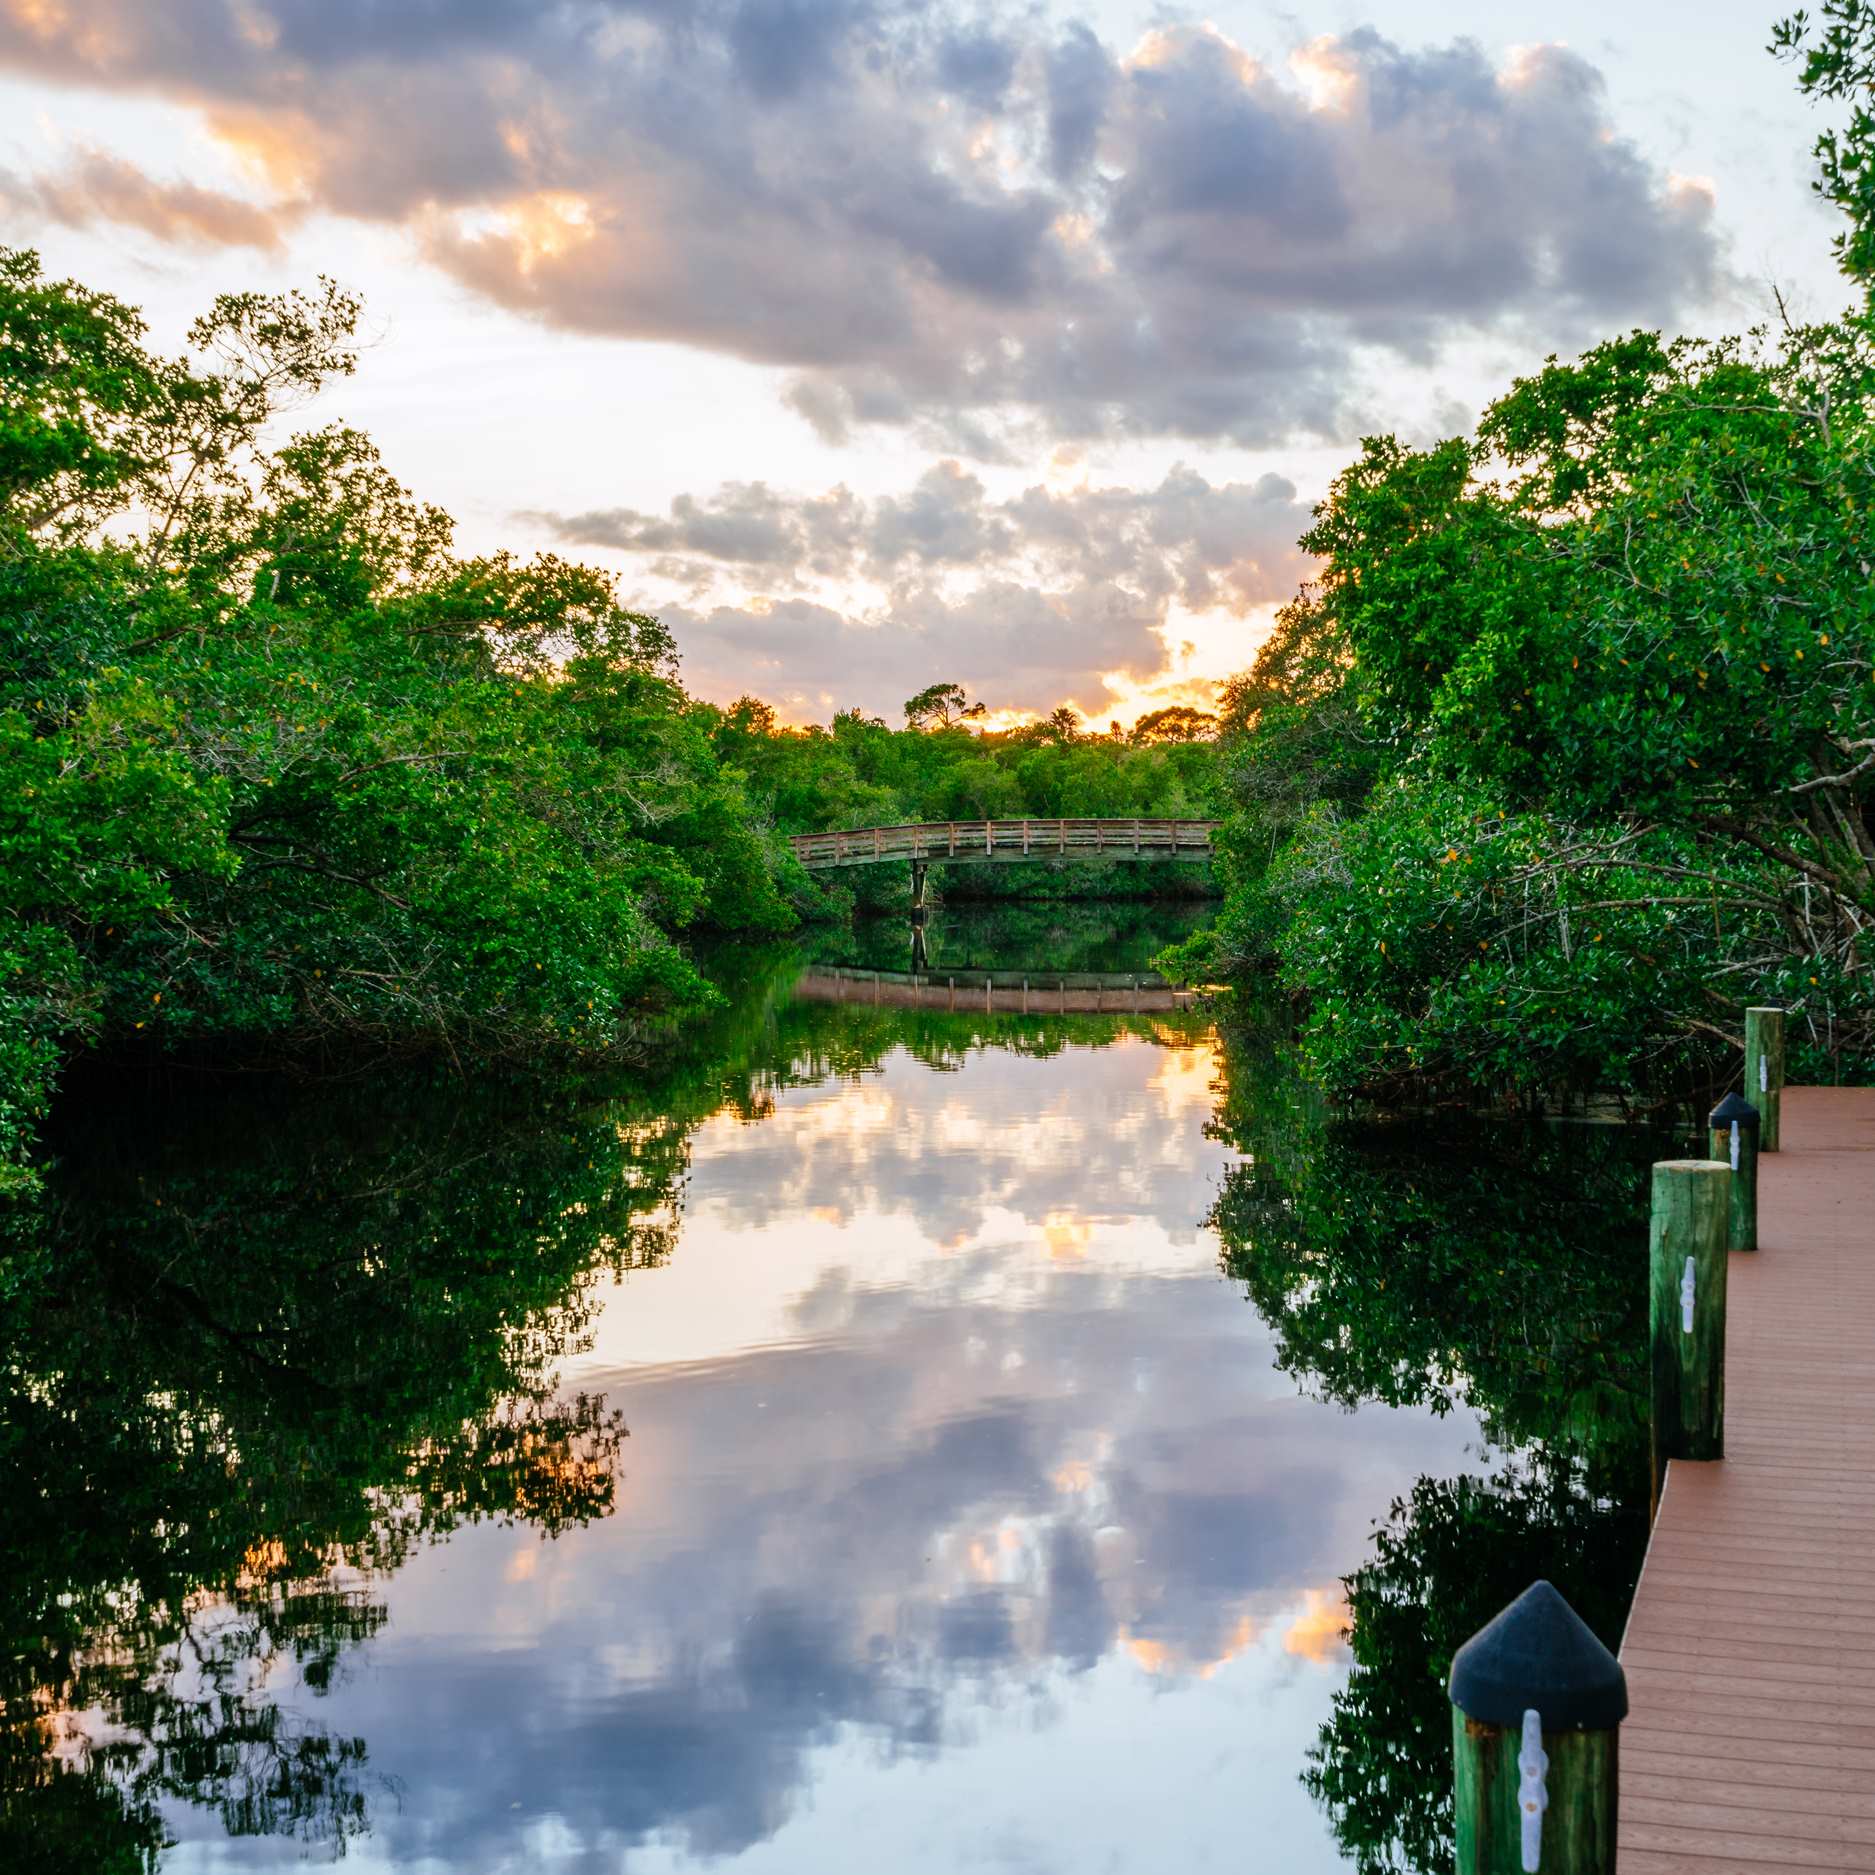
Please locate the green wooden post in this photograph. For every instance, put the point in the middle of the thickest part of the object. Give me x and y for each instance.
(1764, 1071)
(1537, 1702)
(1732, 1140)
(1691, 1222)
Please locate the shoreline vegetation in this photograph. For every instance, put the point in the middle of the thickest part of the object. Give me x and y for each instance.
(1565, 756)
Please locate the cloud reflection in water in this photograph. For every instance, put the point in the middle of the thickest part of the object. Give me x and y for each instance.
(966, 1522)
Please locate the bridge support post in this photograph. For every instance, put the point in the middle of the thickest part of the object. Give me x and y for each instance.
(918, 870)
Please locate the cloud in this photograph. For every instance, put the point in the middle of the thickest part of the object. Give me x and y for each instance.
(943, 521)
(983, 230)
(1018, 599)
(1081, 81)
(1018, 648)
(100, 187)
(744, 526)
(1230, 545)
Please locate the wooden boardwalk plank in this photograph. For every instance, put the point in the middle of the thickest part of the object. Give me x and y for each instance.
(1750, 1650)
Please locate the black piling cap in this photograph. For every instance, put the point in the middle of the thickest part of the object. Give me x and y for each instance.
(1539, 1652)
(1733, 1107)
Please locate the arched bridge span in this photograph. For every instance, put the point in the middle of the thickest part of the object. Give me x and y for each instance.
(1005, 842)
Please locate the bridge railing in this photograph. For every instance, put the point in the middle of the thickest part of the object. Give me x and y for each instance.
(1007, 840)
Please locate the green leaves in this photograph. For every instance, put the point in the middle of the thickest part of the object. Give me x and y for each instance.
(1836, 57)
(940, 706)
(279, 770)
(1630, 635)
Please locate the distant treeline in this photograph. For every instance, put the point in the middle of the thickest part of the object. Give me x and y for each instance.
(282, 772)
(858, 772)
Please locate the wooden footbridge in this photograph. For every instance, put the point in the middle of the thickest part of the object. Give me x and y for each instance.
(1003, 843)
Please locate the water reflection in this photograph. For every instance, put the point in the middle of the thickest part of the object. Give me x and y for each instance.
(968, 1513)
(1435, 1263)
(947, 1441)
(267, 1355)
(1016, 935)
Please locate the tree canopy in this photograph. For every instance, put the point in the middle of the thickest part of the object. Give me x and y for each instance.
(941, 706)
(1569, 752)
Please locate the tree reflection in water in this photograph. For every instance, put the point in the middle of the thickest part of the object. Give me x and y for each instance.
(1432, 1262)
(272, 1344)
(269, 1342)
(262, 1355)
(1021, 934)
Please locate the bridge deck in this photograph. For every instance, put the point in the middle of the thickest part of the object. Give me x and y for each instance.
(1750, 1650)
(1006, 841)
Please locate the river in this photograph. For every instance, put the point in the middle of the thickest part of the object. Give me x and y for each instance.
(893, 1438)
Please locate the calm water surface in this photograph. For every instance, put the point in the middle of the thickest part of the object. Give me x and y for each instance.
(892, 1478)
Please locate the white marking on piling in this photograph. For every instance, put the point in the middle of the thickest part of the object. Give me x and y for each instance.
(1532, 1792)
(1686, 1298)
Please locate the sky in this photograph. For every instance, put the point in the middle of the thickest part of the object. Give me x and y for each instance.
(873, 343)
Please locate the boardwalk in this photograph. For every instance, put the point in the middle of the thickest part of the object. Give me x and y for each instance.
(1006, 842)
(1750, 1651)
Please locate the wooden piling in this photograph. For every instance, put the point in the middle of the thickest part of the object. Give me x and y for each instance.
(1579, 1823)
(1764, 1071)
(1537, 1703)
(1732, 1141)
(1691, 1224)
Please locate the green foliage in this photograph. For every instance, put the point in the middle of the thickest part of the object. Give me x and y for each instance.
(1044, 935)
(279, 770)
(1567, 758)
(855, 772)
(1444, 947)
(1179, 722)
(941, 706)
(1836, 57)
(1570, 752)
